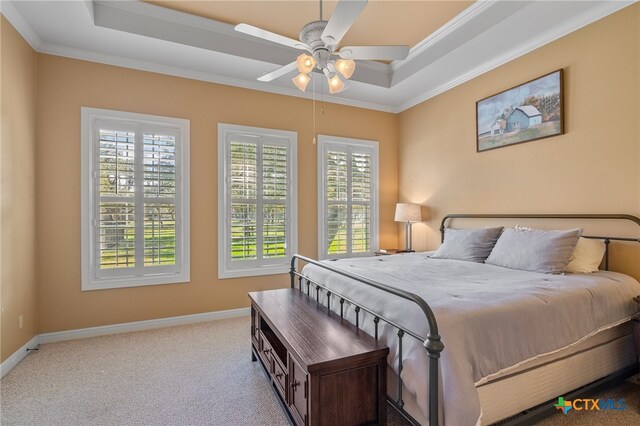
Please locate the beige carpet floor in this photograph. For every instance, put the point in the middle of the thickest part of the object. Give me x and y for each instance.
(198, 374)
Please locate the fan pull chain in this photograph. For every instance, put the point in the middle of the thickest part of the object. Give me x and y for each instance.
(314, 110)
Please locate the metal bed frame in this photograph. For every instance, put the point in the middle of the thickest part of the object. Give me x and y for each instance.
(432, 342)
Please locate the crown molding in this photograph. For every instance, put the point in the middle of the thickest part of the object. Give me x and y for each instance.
(605, 9)
(20, 24)
(379, 74)
(102, 58)
(457, 22)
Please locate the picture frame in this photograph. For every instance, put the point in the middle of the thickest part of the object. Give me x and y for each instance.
(527, 112)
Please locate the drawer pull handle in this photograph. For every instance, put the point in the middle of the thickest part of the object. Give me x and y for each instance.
(278, 375)
(266, 351)
(295, 384)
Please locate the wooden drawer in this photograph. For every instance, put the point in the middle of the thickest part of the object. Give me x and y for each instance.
(265, 352)
(280, 378)
(299, 392)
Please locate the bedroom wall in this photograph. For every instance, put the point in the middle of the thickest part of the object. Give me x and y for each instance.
(593, 168)
(18, 197)
(65, 85)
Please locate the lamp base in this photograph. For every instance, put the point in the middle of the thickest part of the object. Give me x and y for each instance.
(407, 236)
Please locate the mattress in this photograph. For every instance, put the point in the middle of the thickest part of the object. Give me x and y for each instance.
(492, 320)
(544, 378)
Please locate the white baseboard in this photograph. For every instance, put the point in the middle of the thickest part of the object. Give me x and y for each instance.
(17, 356)
(103, 330)
(126, 327)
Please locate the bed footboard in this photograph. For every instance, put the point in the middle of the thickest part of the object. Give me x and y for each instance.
(431, 342)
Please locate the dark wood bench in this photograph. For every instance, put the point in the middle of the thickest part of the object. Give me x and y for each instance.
(324, 369)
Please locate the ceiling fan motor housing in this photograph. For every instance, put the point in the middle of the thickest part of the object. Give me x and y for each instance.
(311, 34)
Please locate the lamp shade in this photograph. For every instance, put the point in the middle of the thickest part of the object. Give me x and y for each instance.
(407, 212)
(335, 84)
(301, 81)
(305, 63)
(346, 67)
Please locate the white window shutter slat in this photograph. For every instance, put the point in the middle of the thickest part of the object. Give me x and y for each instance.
(138, 236)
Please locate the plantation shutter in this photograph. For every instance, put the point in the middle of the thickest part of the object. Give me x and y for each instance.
(136, 200)
(159, 180)
(258, 184)
(347, 191)
(360, 215)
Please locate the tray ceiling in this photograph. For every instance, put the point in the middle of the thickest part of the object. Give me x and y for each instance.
(453, 42)
(381, 22)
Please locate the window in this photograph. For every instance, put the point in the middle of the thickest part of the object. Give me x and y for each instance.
(135, 199)
(347, 197)
(257, 207)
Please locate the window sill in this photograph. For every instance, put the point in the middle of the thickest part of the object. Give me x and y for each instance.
(253, 272)
(126, 282)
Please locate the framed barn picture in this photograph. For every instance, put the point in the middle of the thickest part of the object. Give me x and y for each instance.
(525, 113)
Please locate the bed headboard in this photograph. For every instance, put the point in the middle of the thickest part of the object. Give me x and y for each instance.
(581, 217)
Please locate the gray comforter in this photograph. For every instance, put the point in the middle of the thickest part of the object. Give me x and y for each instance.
(491, 319)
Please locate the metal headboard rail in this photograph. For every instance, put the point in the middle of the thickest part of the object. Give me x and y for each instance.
(607, 239)
(432, 344)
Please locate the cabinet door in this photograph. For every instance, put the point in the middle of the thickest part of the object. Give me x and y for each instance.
(299, 391)
(636, 333)
(255, 320)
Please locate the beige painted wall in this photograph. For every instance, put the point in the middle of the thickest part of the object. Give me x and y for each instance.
(593, 168)
(18, 193)
(65, 85)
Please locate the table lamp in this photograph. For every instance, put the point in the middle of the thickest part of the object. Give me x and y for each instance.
(409, 213)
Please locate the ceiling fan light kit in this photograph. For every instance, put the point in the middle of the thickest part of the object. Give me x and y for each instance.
(346, 67)
(320, 39)
(305, 63)
(336, 85)
(301, 81)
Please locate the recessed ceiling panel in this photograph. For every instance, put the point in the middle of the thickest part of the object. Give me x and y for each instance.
(382, 21)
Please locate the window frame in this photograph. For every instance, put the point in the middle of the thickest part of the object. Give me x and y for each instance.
(90, 198)
(349, 145)
(247, 268)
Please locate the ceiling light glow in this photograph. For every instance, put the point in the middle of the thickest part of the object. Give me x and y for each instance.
(301, 81)
(346, 67)
(305, 63)
(335, 84)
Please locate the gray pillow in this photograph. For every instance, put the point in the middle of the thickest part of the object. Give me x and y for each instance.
(473, 245)
(534, 250)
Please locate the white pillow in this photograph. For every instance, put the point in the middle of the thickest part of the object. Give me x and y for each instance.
(587, 256)
(535, 250)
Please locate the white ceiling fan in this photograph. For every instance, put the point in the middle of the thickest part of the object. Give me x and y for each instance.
(321, 39)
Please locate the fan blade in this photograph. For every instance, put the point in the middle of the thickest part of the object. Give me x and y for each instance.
(344, 15)
(374, 52)
(279, 72)
(269, 36)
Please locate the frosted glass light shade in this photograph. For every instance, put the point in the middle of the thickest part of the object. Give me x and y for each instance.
(407, 212)
(346, 67)
(301, 81)
(305, 63)
(335, 84)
